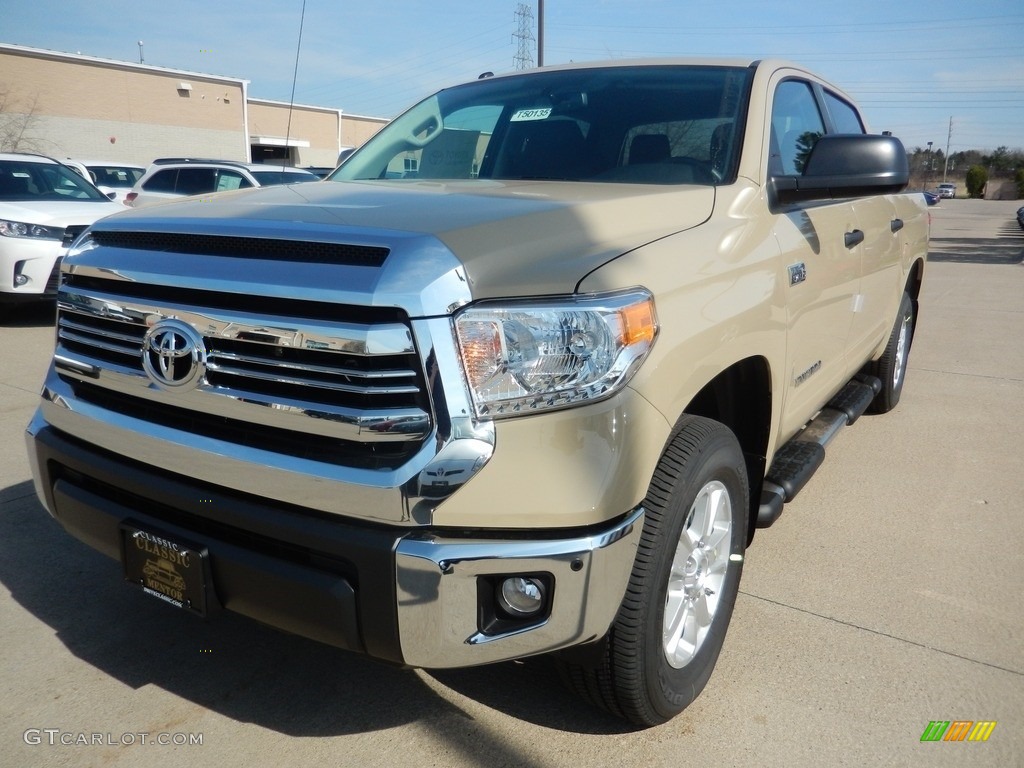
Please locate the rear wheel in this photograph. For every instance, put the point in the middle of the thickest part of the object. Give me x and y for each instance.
(664, 643)
(891, 367)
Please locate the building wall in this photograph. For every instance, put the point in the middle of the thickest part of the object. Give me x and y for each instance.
(84, 108)
(317, 134)
(356, 130)
(312, 132)
(112, 111)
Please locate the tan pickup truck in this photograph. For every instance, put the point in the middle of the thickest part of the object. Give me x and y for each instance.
(521, 377)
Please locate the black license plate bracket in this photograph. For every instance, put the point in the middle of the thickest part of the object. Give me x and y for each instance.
(166, 567)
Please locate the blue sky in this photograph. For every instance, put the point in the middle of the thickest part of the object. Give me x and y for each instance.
(911, 65)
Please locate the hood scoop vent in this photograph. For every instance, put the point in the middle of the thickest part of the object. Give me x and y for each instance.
(269, 249)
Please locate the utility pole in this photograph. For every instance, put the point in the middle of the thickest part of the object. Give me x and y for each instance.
(540, 33)
(949, 138)
(524, 34)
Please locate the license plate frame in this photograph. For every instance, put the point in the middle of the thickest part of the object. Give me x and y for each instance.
(166, 566)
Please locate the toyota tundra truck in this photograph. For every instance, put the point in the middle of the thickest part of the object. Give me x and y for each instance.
(521, 377)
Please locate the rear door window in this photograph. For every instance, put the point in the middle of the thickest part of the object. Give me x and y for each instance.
(844, 116)
(196, 181)
(162, 181)
(228, 180)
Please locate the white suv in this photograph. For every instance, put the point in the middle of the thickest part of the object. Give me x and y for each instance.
(174, 177)
(947, 190)
(114, 179)
(44, 205)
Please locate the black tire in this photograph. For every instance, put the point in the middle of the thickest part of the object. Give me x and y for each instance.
(891, 367)
(635, 678)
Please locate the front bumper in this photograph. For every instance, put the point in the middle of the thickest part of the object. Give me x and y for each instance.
(416, 598)
(29, 271)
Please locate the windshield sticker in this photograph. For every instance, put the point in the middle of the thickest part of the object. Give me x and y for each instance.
(539, 113)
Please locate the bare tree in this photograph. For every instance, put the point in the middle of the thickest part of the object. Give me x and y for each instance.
(17, 124)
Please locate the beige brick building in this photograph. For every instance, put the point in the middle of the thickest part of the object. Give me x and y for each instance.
(69, 105)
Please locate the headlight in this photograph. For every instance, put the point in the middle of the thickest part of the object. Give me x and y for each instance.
(21, 229)
(535, 355)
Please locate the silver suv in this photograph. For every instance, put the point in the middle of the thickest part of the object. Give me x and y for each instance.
(173, 177)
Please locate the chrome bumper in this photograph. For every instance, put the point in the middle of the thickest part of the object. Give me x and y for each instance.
(438, 593)
(416, 598)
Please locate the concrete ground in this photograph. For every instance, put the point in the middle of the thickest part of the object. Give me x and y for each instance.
(886, 596)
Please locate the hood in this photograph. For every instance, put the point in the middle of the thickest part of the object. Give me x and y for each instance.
(513, 238)
(57, 213)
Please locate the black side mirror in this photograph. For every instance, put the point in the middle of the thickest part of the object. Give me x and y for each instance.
(846, 165)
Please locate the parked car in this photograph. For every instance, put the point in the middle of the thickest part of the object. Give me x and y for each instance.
(320, 171)
(114, 179)
(44, 205)
(946, 189)
(932, 198)
(174, 177)
(1020, 217)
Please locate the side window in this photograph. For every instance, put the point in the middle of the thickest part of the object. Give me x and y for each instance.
(231, 180)
(162, 181)
(844, 116)
(796, 127)
(195, 181)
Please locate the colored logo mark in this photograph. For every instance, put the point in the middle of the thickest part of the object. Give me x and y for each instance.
(958, 730)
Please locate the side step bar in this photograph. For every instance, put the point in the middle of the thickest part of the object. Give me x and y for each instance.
(796, 461)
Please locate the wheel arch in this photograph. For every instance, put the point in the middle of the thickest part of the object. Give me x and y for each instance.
(740, 397)
(915, 278)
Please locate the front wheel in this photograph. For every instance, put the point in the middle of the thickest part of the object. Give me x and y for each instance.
(663, 645)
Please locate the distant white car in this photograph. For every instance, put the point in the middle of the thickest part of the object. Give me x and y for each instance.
(946, 190)
(108, 175)
(176, 177)
(44, 206)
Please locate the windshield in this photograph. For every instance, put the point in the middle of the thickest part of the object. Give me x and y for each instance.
(121, 177)
(27, 180)
(633, 124)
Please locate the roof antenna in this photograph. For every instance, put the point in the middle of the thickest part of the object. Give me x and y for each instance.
(295, 76)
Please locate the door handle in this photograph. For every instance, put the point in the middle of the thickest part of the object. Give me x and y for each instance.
(853, 238)
(896, 225)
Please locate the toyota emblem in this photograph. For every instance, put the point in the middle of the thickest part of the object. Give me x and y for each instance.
(174, 355)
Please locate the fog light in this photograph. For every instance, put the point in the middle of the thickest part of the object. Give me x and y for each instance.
(20, 280)
(522, 596)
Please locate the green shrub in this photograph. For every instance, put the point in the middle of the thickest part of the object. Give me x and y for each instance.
(977, 176)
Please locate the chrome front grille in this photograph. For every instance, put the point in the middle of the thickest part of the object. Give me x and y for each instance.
(317, 375)
(295, 384)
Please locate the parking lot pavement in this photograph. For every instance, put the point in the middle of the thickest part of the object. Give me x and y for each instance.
(886, 597)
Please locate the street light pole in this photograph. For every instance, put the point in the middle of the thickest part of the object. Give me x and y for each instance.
(928, 173)
(949, 138)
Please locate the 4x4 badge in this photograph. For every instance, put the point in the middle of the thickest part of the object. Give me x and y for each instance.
(174, 355)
